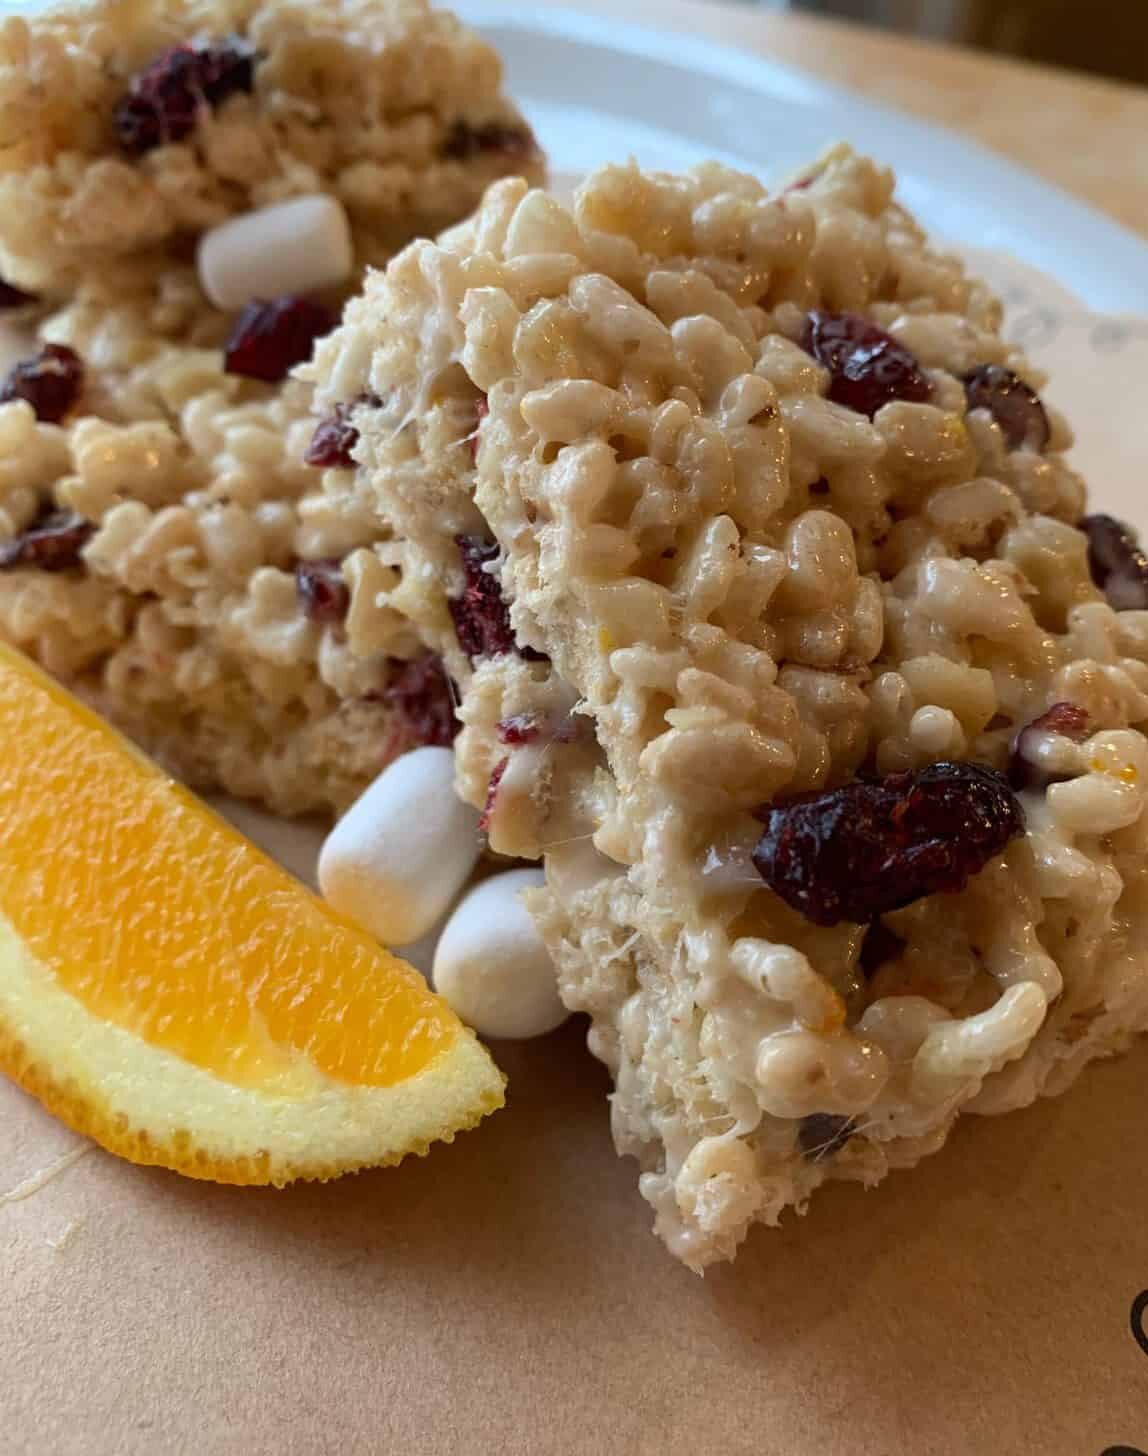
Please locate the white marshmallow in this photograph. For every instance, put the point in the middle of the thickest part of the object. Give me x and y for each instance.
(491, 964)
(403, 850)
(293, 247)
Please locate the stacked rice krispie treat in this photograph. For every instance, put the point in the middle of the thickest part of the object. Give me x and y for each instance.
(135, 125)
(171, 540)
(782, 639)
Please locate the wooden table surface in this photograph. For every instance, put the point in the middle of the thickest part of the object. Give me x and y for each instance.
(1087, 135)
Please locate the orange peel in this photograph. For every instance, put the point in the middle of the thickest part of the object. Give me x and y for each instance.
(168, 990)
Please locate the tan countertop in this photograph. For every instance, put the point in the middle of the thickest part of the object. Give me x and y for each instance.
(1087, 135)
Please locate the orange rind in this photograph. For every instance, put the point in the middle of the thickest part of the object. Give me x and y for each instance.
(168, 990)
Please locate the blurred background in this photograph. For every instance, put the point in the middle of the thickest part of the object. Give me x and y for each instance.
(1106, 36)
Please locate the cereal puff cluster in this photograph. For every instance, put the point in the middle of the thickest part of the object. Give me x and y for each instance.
(172, 541)
(716, 503)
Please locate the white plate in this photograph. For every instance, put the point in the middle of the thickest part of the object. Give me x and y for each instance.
(598, 90)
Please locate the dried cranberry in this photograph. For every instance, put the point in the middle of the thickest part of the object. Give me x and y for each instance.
(421, 693)
(1118, 566)
(519, 729)
(859, 851)
(868, 367)
(492, 793)
(13, 297)
(54, 542)
(49, 381)
(270, 338)
(1012, 403)
(165, 100)
(481, 617)
(466, 140)
(321, 590)
(1024, 769)
(878, 945)
(481, 410)
(822, 1134)
(333, 441)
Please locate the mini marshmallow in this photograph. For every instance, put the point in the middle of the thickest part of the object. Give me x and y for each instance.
(403, 850)
(293, 247)
(491, 964)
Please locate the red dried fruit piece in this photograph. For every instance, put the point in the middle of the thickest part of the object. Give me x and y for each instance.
(868, 368)
(321, 590)
(519, 729)
(481, 618)
(13, 297)
(465, 140)
(165, 100)
(822, 1134)
(49, 381)
(878, 945)
(492, 793)
(1013, 404)
(859, 851)
(1024, 767)
(335, 437)
(421, 693)
(54, 542)
(333, 441)
(1067, 718)
(271, 336)
(1118, 566)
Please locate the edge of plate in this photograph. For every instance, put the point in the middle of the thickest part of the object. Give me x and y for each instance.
(1083, 234)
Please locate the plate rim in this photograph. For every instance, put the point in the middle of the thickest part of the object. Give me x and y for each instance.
(1085, 232)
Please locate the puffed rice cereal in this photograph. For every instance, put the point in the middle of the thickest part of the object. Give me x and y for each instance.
(128, 126)
(177, 540)
(710, 498)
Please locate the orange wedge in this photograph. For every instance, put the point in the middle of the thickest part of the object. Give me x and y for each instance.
(168, 990)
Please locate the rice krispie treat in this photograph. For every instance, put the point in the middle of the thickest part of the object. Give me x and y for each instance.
(168, 549)
(128, 127)
(784, 642)
(174, 541)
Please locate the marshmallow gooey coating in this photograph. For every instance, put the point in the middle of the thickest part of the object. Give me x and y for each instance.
(710, 499)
